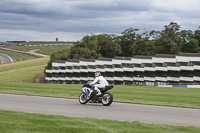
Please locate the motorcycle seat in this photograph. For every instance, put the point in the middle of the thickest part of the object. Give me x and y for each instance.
(107, 87)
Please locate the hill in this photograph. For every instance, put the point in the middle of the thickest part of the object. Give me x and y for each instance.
(26, 71)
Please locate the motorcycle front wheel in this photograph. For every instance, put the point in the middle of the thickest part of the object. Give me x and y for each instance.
(83, 98)
(107, 99)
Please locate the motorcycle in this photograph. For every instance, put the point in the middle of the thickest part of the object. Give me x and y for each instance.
(90, 95)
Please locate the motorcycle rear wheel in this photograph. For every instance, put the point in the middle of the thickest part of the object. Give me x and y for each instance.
(107, 99)
(83, 98)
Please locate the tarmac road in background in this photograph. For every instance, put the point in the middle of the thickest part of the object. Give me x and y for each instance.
(5, 58)
(116, 111)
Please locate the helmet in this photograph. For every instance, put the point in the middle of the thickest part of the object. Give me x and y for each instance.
(97, 74)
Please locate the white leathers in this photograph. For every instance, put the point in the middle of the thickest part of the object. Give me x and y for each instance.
(102, 82)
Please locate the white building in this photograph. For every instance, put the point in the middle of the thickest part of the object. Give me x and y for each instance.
(181, 69)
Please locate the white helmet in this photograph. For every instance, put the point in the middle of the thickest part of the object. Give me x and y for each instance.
(97, 74)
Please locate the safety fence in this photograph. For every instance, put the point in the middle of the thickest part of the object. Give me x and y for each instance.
(185, 86)
(32, 45)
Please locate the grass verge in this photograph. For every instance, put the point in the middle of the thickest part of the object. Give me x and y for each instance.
(18, 122)
(176, 97)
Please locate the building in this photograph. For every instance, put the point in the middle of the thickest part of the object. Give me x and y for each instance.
(161, 69)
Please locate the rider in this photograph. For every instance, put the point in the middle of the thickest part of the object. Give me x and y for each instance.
(101, 80)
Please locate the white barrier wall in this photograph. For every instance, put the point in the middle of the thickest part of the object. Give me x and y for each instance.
(186, 86)
(193, 86)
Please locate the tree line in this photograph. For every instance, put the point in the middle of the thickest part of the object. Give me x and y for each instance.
(171, 40)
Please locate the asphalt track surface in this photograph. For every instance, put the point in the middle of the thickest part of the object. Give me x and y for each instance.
(5, 58)
(116, 111)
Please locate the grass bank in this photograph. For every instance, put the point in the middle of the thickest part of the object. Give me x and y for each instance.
(18, 122)
(176, 97)
(23, 64)
(23, 70)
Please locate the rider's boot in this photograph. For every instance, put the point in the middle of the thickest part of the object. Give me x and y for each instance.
(96, 96)
(99, 92)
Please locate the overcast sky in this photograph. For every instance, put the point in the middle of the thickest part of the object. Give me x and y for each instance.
(70, 20)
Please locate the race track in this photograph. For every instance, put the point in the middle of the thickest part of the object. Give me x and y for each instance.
(5, 58)
(117, 111)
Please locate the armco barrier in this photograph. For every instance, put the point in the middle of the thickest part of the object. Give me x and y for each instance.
(165, 85)
(193, 86)
(180, 86)
(47, 44)
(185, 86)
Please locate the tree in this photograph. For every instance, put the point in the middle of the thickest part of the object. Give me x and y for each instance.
(190, 42)
(169, 40)
(86, 48)
(127, 40)
(95, 46)
(60, 55)
(191, 46)
(197, 35)
(143, 46)
(109, 46)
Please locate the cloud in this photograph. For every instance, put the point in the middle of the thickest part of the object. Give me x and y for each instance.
(175, 5)
(184, 12)
(94, 16)
(24, 2)
(115, 5)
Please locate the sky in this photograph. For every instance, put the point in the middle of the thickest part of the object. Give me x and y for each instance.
(71, 20)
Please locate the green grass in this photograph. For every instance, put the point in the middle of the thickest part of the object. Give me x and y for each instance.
(23, 64)
(25, 70)
(176, 97)
(18, 122)
(172, 96)
(17, 56)
(43, 49)
(28, 74)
